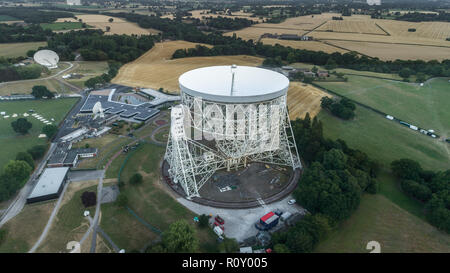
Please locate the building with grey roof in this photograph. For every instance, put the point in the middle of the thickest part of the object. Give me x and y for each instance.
(50, 185)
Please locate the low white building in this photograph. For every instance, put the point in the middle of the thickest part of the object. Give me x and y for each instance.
(50, 185)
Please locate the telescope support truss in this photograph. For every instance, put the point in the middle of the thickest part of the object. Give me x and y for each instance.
(192, 163)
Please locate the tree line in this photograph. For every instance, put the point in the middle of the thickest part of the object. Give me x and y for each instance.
(342, 108)
(18, 34)
(330, 187)
(94, 46)
(9, 72)
(429, 187)
(33, 15)
(16, 172)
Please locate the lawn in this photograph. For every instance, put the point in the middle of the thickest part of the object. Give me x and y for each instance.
(378, 219)
(21, 237)
(69, 224)
(62, 25)
(88, 70)
(426, 106)
(24, 87)
(150, 201)
(11, 142)
(19, 49)
(385, 140)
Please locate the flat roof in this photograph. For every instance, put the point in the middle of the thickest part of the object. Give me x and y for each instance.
(49, 182)
(251, 84)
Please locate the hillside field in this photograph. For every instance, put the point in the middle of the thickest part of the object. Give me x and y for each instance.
(156, 69)
(19, 49)
(118, 25)
(378, 219)
(302, 99)
(385, 39)
(424, 106)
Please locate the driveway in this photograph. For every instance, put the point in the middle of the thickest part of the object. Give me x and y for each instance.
(76, 176)
(239, 223)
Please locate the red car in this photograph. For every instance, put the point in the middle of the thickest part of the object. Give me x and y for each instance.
(219, 220)
(219, 225)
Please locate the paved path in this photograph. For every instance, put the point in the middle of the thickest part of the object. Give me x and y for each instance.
(76, 176)
(50, 221)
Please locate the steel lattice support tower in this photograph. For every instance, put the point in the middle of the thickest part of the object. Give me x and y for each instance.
(209, 133)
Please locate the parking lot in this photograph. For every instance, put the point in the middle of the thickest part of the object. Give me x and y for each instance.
(240, 223)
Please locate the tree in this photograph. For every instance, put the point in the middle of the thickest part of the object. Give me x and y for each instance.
(122, 200)
(281, 248)
(89, 199)
(110, 20)
(229, 245)
(107, 29)
(406, 169)
(21, 126)
(405, 73)
(37, 151)
(180, 238)
(41, 91)
(49, 130)
(136, 179)
(203, 220)
(24, 156)
(18, 170)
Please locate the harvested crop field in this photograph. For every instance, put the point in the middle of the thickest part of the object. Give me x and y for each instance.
(395, 51)
(156, 69)
(199, 14)
(308, 45)
(386, 39)
(118, 25)
(352, 26)
(302, 99)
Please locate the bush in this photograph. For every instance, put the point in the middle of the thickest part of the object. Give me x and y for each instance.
(24, 156)
(416, 190)
(122, 200)
(89, 199)
(136, 179)
(229, 245)
(281, 248)
(203, 220)
(49, 130)
(21, 126)
(37, 151)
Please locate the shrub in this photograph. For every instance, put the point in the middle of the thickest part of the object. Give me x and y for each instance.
(203, 220)
(89, 199)
(136, 179)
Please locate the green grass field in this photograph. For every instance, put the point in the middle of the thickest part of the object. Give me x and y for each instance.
(26, 86)
(21, 236)
(426, 106)
(88, 70)
(385, 140)
(19, 49)
(69, 223)
(150, 201)
(13, 143)
(378, 219)
(62, 25)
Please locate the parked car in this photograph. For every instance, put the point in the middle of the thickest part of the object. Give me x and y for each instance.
(219, 220)
(292, 202)
(260, 226)
(277, 212)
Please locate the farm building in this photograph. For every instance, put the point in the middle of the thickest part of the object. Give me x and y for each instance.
(322, 74)
(50, 185)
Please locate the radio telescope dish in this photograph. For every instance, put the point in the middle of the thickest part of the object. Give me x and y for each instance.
(97, 110)
(47, 58)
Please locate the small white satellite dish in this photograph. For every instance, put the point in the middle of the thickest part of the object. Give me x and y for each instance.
(86, 213)
(97, 110)
(122, 251)
(47, 58)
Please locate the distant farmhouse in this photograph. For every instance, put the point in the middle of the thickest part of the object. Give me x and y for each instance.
(284, 36)
(74, 2)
